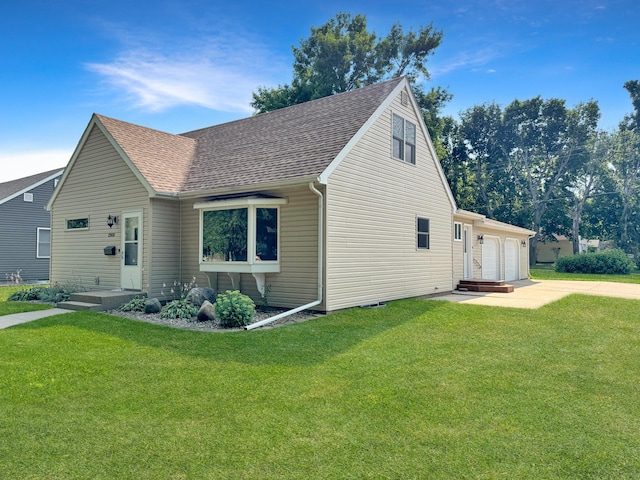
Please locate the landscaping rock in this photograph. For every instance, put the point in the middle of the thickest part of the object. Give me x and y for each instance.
(199, 295)
(152, 305)
(206, 312)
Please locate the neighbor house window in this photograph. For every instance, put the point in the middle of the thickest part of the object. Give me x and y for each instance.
(78, 224)
(28, 197)
(43, 243)
(422, 233)
(457, 231)
(245, 237)
(404, 139)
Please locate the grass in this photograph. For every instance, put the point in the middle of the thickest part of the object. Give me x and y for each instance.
(547, 272)
(418, 389)
(7, 308)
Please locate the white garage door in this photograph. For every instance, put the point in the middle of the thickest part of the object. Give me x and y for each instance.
(511, 260)
(490, 264)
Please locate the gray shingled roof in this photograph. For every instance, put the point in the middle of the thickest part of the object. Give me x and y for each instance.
(289, 144)
(14, 186)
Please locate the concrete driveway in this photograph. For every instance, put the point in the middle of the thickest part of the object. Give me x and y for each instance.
(536, 293)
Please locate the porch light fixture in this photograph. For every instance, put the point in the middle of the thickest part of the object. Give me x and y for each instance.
(523, 243)
(480, 239)
(112, 220)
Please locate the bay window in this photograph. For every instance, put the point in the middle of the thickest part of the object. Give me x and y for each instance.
(240, 235)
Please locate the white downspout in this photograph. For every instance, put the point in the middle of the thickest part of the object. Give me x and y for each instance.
(320, 267)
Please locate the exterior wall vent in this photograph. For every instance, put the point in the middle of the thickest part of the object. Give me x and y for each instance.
(28, 197)
(404, 98)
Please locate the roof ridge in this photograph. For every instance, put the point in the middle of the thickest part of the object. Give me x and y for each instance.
(308, 103)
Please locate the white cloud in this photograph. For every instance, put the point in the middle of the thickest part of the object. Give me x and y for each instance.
(464, 60)
(214, 74)
(22, 164)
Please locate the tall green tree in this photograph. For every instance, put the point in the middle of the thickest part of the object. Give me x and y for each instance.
(343, 55)
(546, 142)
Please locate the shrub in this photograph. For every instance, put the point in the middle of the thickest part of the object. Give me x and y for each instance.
(233, 309)
(179, 309)
(607, 262)
(134, 305)
(53, 294)
(28, 295)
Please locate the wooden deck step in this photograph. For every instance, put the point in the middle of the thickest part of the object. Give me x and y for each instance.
(482, 285)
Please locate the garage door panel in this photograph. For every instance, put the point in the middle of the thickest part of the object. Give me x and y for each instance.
(490, 259)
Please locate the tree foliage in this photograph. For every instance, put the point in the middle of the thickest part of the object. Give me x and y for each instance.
(343, 55)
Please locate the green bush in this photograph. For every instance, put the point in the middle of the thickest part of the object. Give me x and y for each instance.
(27, 295)
(607, 262)
(233, 309)
(134, 305)
(179, 309)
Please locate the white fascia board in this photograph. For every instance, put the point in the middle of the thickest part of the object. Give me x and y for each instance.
(239, 202)
(324, 176)
(31, 187)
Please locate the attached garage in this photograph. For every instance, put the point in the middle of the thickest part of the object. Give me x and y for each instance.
(494, 251)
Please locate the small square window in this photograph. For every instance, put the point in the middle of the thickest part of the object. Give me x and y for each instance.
(28, 197)
(422, 233)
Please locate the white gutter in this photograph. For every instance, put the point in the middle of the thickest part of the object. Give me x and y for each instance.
(320, 267)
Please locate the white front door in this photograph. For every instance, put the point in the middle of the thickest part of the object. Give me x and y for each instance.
(511, 260)
(131, 271)
(490, 259)
(467, 254)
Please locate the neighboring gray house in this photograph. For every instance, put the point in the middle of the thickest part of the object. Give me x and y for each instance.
(329, 204)
(25, 234)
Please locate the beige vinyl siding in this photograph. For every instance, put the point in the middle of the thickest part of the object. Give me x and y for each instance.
(296, 284)
(372, 204)
(99, 184)
(164, 245)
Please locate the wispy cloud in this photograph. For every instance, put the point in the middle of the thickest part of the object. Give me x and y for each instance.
(215, 74)
(465, 60)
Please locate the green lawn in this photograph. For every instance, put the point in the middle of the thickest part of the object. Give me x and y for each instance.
(547, 272)
(7, 308)
(418, 389)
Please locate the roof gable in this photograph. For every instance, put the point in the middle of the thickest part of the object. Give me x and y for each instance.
(15, 188)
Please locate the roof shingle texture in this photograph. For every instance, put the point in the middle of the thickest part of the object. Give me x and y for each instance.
(289, 144)
(14, 186)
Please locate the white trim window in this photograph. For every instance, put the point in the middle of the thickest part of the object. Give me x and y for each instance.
(404, 139)
(28, 197)
(77, 224)
(422, 233)
(43, 242)
(240, 235)
(457, 231)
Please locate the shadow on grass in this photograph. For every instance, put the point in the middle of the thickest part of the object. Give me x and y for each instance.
(307, 343)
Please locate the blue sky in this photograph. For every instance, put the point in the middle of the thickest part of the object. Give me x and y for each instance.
(181, 65)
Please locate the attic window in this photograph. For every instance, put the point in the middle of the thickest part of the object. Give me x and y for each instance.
(404, 139)
(240, 235)
(28, 197)
(404, 98)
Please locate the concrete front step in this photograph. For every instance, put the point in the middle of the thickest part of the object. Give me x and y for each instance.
(99, 301)
(71, 305)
